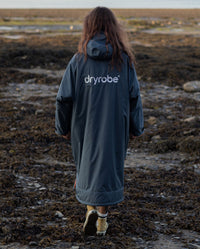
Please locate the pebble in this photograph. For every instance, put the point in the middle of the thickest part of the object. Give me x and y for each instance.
(197, 171)
(168, 168)
(177, 238)
(30, 81)
(37, 185)
(33, 243)
(138, 240)
(171, 117)
(194, 246)
(11, 151)
(59, 214)
(155, 138)
(196, 96)
(152, 120)
(42, 188)
(39, 111)
(189, 132)
(190, 119)
(192, 86)
(23, 108)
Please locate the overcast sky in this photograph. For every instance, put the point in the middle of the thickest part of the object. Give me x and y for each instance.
(94, 3)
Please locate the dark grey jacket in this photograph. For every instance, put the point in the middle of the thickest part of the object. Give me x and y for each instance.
(100, 107)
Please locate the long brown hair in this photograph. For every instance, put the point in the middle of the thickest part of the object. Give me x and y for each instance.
(103, 19)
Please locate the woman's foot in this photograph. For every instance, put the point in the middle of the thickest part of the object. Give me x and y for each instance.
(89, 227)
(101, 224)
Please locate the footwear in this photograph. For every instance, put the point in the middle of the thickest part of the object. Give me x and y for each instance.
(101, 224)
(89, 227)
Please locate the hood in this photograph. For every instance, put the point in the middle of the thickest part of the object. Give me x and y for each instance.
(97, 48)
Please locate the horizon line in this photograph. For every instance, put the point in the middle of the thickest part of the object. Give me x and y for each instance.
(197, 8)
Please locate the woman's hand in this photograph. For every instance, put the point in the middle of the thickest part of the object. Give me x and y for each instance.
(67, 136)
(134, 137)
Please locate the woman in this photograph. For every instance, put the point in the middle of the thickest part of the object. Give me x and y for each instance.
(99, 104)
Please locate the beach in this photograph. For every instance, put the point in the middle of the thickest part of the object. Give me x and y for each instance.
(161, 207)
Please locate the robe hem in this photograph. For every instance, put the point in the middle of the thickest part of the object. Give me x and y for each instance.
(99, 204)
(110, 198)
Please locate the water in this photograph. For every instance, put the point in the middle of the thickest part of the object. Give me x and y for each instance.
(108, 3)
(24, 91)
(40, 27)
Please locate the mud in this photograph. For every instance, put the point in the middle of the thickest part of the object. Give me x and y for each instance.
(162, 169)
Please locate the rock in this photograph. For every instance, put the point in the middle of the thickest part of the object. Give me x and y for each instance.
(59, 214)
(153, 167)
(189, 132)
(190, 119)
(39, 111)
(152, 120)
(197, 171)
(171, 117)
(192, 86)
(155, 138)
(23, 108)
(33, 243)
(30, 81)
(37, 185)
(194, 246)
(42, 188)
(196, 96)
(168, 168)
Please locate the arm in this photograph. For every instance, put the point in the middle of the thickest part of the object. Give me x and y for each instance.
(63, 116)
(136, 111)
(64, 102)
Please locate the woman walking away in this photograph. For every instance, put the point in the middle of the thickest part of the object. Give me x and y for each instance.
(99, 104)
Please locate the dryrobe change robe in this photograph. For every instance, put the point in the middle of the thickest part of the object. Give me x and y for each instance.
(100, 107)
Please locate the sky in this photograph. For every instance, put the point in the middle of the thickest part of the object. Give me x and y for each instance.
(93, 3)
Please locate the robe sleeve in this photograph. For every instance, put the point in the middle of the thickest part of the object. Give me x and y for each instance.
(64, 101)
(136, 112)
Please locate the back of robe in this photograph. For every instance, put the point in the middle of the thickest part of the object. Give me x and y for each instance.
(100, 106)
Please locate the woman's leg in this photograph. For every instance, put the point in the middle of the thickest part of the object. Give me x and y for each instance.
(102, 209)
(102, 224)
(89, 226)
(96, 220)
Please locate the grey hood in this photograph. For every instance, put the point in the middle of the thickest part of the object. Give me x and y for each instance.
(98, 49)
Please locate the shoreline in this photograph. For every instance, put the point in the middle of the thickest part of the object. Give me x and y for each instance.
(77, 13)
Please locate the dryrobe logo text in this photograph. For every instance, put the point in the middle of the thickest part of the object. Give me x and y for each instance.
(105, 79)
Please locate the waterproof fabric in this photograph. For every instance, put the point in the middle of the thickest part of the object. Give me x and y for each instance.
(100, 107)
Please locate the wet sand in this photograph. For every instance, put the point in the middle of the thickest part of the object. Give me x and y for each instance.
(162, 169)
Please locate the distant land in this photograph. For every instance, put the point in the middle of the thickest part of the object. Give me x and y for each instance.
(80, 13)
